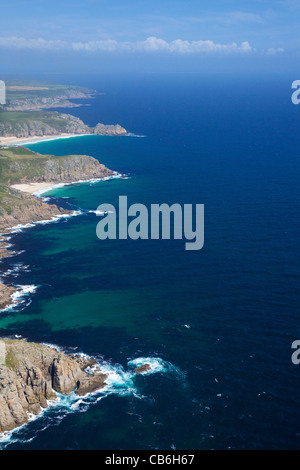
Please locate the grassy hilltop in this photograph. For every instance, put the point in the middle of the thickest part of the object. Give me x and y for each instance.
(27, 95)
(39, 123)
(21, 165)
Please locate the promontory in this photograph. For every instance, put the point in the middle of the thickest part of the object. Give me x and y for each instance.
(32, 374)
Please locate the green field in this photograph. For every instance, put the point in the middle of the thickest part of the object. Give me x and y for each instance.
(41, 92)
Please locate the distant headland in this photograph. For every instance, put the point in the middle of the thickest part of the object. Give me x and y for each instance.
(24, 116)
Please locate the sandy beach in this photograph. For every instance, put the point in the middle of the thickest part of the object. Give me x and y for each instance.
(32, 188)
(12, 141)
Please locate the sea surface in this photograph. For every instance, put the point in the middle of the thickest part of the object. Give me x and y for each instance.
(215, 324)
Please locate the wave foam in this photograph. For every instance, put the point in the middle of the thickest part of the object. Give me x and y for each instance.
(39, 193)
(20, 297)
(119, 381)
(19, 228)
(157, 365)
(46, 139)
(130, 134)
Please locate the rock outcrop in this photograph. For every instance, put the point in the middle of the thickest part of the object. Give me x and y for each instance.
(6, 293)
(20, 208)
(30, 374)
(143, 368)
(5, 251)
(114, 130)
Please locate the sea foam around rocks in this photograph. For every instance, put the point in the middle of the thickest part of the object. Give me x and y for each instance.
(120, 381)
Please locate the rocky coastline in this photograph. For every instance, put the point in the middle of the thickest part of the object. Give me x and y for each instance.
(32, 374)
(19, 208)
(51, 123)
(24, 95)
(60, 101)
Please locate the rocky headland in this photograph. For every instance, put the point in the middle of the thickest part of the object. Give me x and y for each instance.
(23, 209)
(31, 374)
(30, 95)
(61, 100)
(48, 123)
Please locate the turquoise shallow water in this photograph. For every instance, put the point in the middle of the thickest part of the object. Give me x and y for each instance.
(217, 324)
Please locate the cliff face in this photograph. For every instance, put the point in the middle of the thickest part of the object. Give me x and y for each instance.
(73, 168)
(30, 374)
(53, 169)
(19, 208)
(30, 124)
(102, 129)
(35, 123)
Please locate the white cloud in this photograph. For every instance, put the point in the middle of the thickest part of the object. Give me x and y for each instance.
(22, 43)
(150, 45)
(274, 51)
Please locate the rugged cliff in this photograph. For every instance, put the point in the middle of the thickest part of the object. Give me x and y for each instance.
(6, 293)
(19, 208)
(51, 169)
(40, 123)
(30, 374)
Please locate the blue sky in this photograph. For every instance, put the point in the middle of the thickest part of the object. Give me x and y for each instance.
(164, 35)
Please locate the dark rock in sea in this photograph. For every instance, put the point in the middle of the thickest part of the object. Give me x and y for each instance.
(143, 368)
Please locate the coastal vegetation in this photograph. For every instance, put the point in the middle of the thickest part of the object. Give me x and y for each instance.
(21, 165)
(24, 115)
(24, 124)
(28, 95)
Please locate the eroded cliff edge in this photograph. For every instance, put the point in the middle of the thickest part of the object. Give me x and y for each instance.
(49, 123)
(30, 374)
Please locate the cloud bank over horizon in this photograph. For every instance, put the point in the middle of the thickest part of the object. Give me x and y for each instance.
(150, 45)
(230, 37)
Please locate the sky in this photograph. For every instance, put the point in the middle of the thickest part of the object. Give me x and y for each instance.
(150, 36)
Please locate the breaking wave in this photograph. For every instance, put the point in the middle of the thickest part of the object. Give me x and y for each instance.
(120, 381)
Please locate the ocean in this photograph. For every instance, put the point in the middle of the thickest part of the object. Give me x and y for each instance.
(215, 324)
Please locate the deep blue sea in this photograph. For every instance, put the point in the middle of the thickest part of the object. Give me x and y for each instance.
(216, 324)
